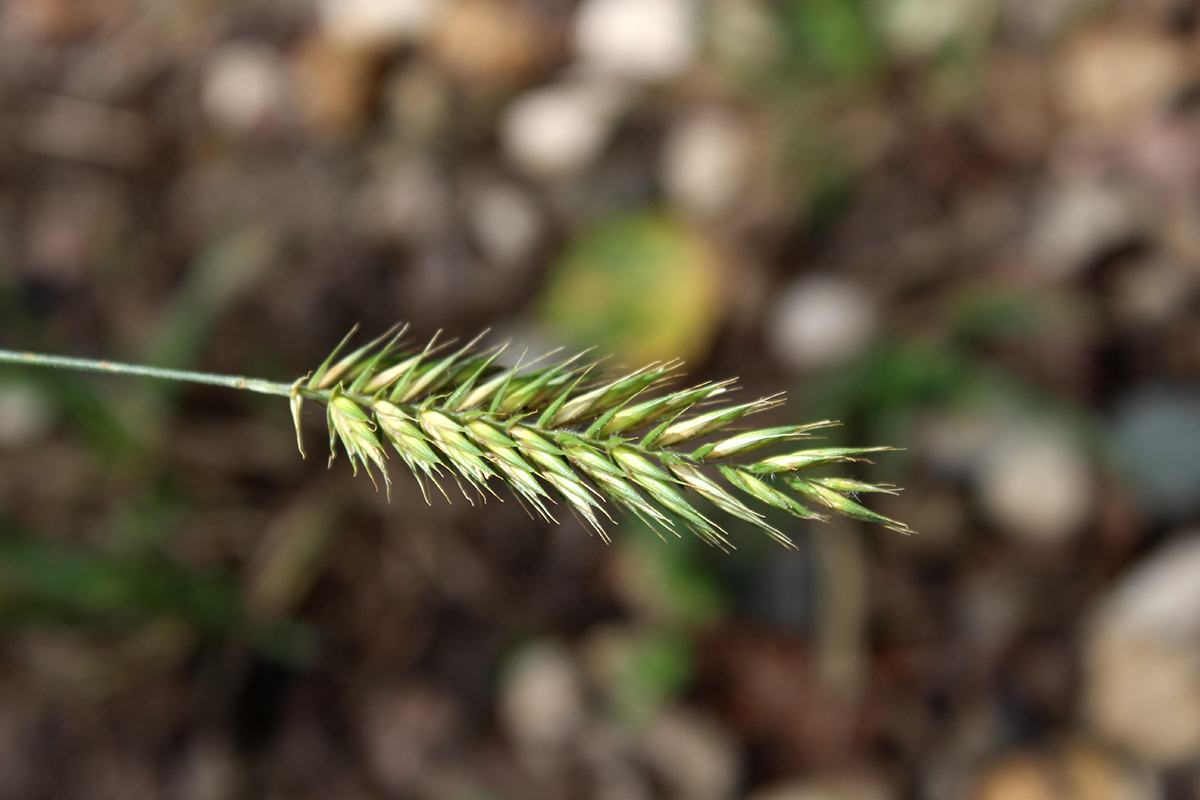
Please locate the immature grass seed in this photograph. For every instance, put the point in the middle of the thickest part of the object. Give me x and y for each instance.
(562, 431)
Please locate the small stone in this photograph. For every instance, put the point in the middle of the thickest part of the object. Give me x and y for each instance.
(1078, 222)
(1142, 657)
(693, 754)
(243, 86)
(403, 727)
(954, 441)
(378, 23)
(820, 320)
(25, 415)
(333, 85)
(1035, 483)
(541, 701)
(210, 771)
(616, 771)
(1112, 76)
(1151, 292)
(559, 130)
(489, 41)
(1157, 432)
(1075, 770)
(706, 161)
(648, 40)
(406, 200)
(505, 222)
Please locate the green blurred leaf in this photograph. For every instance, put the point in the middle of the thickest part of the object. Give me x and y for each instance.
(88, 410)
(44, 582)
(644, 671)
(833, 36)
(668, 583)
(643, 285)
(75, 584)
(228, 267)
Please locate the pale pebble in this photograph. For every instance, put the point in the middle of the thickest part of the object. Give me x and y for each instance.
(378, 23)
(706, 161)
(559, 130)
(1141, 657)
(243, 86)
(820, 320)
(693, 754)
(541, 699)
(1078, 221)
(25, 415)
(506, 223)
(649, 40)
(1037, 484)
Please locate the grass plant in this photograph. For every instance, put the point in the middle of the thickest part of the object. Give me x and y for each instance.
(554, 430)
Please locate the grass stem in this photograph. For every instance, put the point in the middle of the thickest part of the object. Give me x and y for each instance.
(116, 368)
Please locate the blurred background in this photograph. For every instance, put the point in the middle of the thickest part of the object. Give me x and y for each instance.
(968, 228)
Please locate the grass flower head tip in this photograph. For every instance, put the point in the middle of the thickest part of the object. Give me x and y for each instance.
(565, 432)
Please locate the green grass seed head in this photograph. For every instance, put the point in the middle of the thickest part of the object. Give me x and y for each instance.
(564, 431)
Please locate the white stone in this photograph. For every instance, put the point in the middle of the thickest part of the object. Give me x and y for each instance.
(541, 702)
(406, 200)
(954, 441)
(1036, 483)
(505, 222)
(820, 320)
(209, 771)
(1161, 595)
(558, 130)
(693, 754)
(1075, 223)
(705, 161)
(243, 86)
(1142, 658)
(1152, 291)
(25, 416)
(650, 40)
(378, 23)
(401, 729)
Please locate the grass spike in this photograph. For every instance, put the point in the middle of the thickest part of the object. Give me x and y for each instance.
(561, 429)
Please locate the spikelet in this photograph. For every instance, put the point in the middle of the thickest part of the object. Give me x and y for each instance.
(564, 431)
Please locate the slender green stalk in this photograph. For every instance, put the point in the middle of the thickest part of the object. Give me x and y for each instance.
(116, 368)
